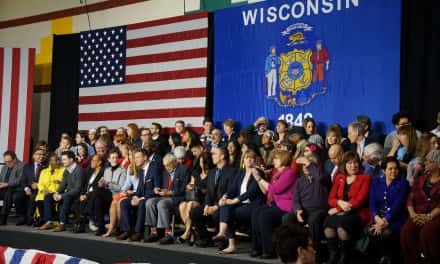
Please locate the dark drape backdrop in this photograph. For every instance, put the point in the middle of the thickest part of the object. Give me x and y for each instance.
(65, 83)
(420, 72)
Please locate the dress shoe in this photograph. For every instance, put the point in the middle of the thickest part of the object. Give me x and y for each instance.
(135, 238)
(60, 228)
(385, 260)
(46, 226)
(21, 222)
(100, 232)
(203, 243)
(123, 236)
(151, 238)
(38, 223)
(166, 240)
(268, 256)
(255, 253)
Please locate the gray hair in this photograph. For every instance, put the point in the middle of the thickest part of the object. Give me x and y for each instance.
(434, 155)
(179, 152)
(169, 158)
(358, 128)
(374, 150)
(316, 139)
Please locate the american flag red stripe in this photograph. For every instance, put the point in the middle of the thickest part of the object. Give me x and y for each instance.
(168, 56)
(16, 89)
(165, 77)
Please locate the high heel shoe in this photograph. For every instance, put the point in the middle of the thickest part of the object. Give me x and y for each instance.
(191, 240)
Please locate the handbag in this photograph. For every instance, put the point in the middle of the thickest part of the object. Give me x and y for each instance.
(362, 244)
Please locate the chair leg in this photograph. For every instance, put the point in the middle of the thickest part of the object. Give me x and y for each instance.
(173, 218)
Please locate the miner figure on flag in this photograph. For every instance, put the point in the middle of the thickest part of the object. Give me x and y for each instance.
(321, 61)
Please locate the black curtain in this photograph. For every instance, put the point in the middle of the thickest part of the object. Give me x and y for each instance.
(420, 62)
(64, 90)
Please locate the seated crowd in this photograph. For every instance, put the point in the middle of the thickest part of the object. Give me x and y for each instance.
(135, 184)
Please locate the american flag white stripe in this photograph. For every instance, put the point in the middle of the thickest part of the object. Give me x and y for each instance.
(6, 98)
(165, 122)
(167, 66)
(16, 102)
(144, 105)
(183, 68)
(167, 29)
(22, 109)
(168, 47)
(144, 87)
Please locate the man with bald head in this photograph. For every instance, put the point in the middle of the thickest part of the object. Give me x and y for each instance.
(216, 139)
(332, 165)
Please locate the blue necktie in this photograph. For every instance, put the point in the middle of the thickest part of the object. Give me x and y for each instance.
(217, 175)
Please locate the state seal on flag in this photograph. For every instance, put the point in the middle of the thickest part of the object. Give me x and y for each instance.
(298, 74)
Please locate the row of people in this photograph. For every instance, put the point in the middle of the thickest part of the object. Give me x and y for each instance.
(214, 201)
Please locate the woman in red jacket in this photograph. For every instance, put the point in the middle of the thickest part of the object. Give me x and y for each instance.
(348, 208)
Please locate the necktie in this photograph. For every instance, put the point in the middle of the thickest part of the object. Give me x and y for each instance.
(8, 174)
(359, 150)
(37, 170)
(217, 175)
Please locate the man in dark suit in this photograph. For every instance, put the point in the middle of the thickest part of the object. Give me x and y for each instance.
(68, 191)
(10, 179)
(217, 185)
(158, 209)
(31, 174)
(133, 208)
(372, 137)
(356, 135)
(159, 140)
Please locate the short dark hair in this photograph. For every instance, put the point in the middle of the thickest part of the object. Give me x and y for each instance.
(287, 239)
(180, 122)
(81, 134)
(207, 120)
(10, 153)
(141, 150)
(157, 125)
(51, 155)
(365, 120)
(114, 150)
(69, 154)
(225, 153)
(390, 160)
(397, 116)
(40, 143)
(285, 124)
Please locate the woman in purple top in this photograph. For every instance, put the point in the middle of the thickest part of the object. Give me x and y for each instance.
(278, 191)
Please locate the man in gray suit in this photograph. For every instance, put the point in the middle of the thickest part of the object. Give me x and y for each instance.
(68, 192)
(10, 178)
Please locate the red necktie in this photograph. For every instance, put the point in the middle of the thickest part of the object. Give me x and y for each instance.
(170, 182)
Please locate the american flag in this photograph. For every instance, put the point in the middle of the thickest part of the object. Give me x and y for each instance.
(29, 256)
(16, 89)
(148, 72)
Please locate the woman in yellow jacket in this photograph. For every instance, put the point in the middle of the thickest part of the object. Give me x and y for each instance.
(50, 179)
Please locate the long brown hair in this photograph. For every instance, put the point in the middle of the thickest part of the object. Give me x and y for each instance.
(411, 133)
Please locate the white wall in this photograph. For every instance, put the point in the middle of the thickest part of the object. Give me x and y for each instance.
(32, 34)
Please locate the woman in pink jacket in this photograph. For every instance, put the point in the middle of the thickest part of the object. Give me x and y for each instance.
(279, 192)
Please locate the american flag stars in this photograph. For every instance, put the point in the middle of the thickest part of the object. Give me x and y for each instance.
(102, 57)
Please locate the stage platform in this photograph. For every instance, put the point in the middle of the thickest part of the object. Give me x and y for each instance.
(110, 250)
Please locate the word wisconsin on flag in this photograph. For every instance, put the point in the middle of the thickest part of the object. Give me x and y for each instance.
(148, 72)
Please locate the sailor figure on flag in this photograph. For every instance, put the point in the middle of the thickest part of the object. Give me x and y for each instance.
(270, 69)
